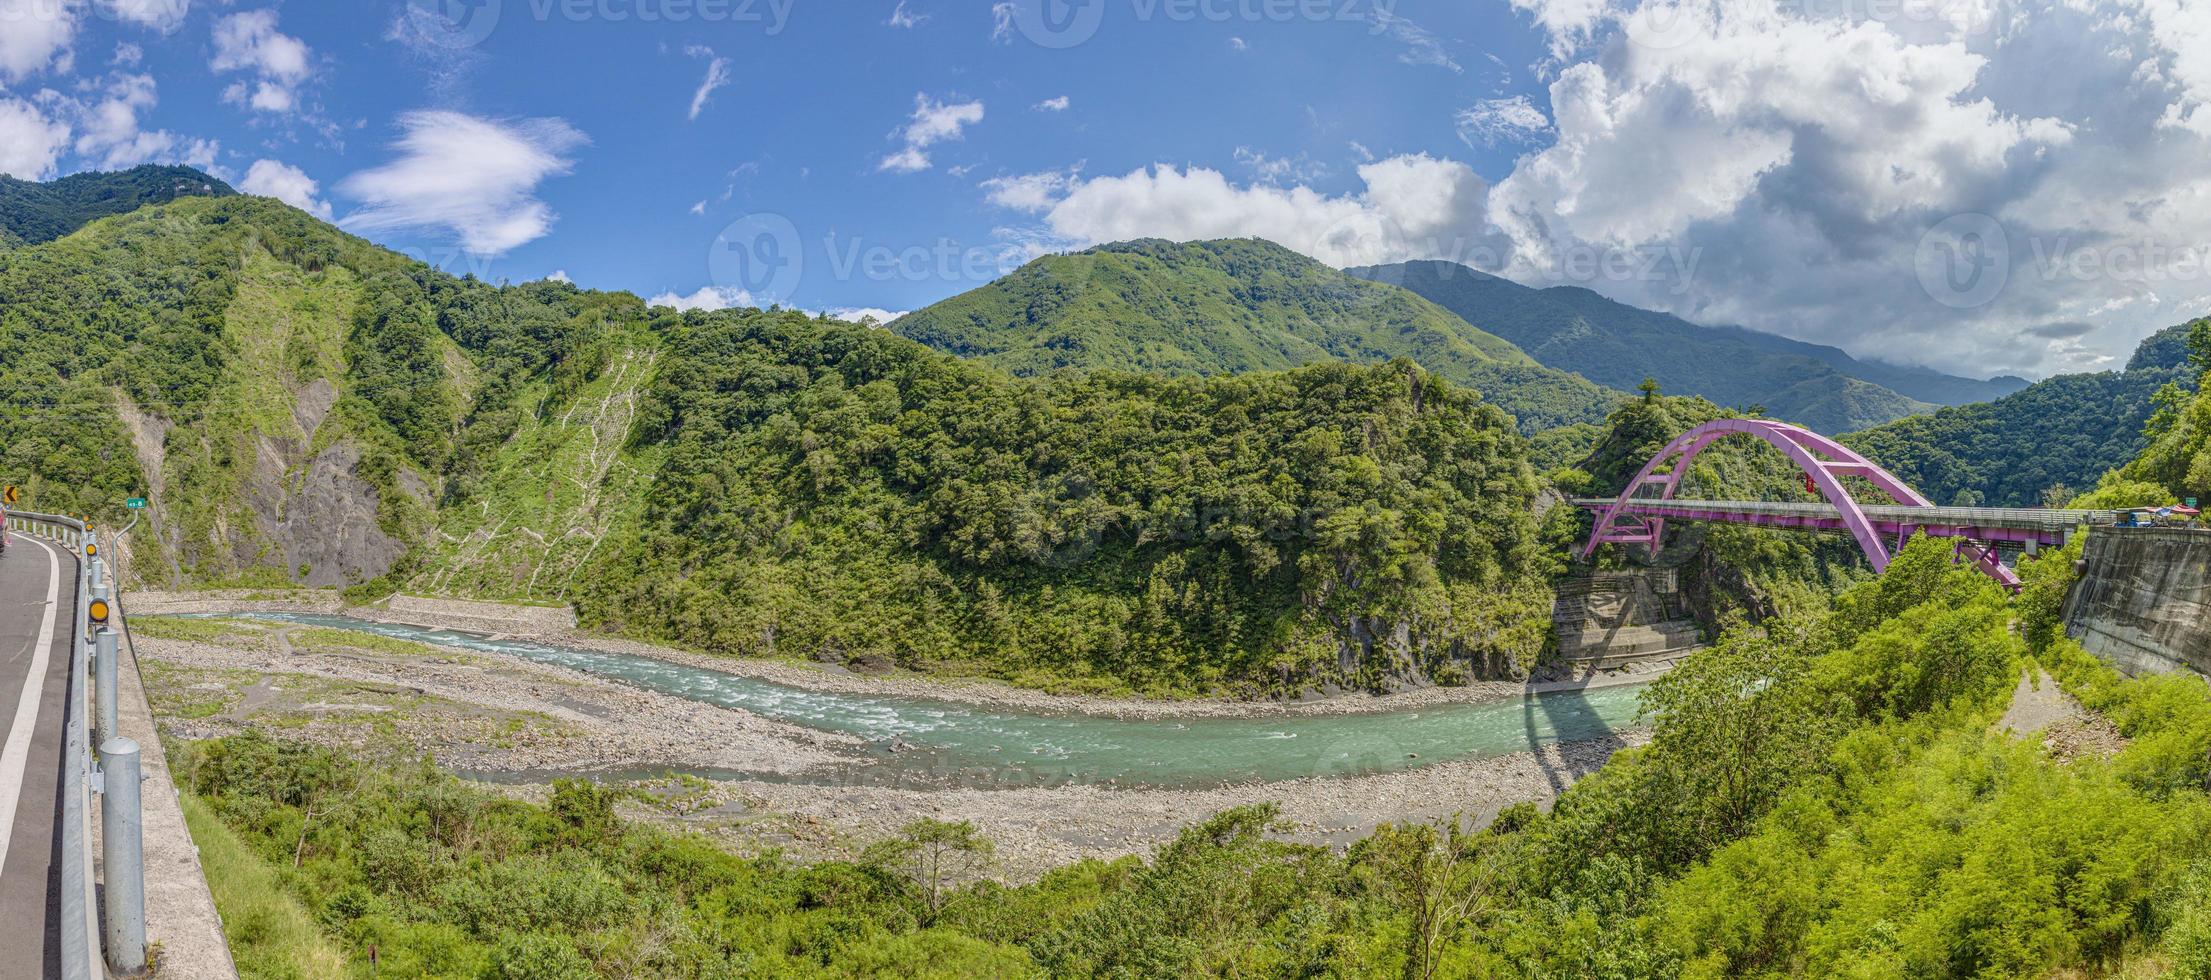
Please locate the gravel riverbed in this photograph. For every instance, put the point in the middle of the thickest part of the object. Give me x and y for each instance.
(577, 722)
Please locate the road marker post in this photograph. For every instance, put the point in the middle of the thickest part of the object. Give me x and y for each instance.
(103, 661)
(123, 857)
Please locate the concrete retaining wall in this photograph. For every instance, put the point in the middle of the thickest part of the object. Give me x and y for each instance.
(2141, 602)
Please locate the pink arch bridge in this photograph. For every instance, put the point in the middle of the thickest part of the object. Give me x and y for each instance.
(1640, 513)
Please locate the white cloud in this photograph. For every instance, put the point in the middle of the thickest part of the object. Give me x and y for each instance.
(706, 298)
(110, 137)
(1742, 161)
(1411, 207)
(902, 17)
(717, 75)
(1028, 192)
(856, 314)
(932, 122)
(1498, 121)
(699, 209)
(35, 34)
(475, 178)
(1421, 46)
(1238, 44)
(1569, 22)
(1001, 20)
(560, 275)
(272, 178)
(1054, 104)
(279, 63)
(2181, 31)
(128, 55)
(160, 15)
(30, 143)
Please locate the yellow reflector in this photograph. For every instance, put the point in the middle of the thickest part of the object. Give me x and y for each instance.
(98, 609)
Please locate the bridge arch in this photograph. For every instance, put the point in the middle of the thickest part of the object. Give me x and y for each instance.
(1822, 459)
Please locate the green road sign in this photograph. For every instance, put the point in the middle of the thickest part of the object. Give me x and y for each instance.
(135, 503)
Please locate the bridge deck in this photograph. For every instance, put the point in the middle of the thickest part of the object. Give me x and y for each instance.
(2041, 524)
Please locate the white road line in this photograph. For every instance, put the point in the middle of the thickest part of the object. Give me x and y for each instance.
(17, 755)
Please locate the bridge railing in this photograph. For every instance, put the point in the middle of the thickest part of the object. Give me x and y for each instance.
(1942, 516)
(112, 772)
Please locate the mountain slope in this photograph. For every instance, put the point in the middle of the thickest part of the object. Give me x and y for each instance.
(303, 407)
(34, 212)
(1575, 329)
(2063, 432)
(1228, 307)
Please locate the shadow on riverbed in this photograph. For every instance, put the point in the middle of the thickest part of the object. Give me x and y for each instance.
(1575, 723)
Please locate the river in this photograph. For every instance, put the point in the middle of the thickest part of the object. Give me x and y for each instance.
(948, 742)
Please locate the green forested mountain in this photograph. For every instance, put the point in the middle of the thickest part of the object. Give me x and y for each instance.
(2057, 435)
(1575, 329)
(2175, 461)
(303, 407)
(33, 212)
(1227, 307)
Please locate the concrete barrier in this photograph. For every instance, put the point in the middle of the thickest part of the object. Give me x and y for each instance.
(2143, 601)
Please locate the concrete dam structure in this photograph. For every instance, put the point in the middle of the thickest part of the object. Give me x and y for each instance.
(2141, 602)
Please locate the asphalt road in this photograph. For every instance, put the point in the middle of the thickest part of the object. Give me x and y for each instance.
(37, 599)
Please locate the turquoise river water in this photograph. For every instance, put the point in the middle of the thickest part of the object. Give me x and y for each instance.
(950, 743)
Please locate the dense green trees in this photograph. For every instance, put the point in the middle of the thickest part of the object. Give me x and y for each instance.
(831, 490)
(2176, 462)
(2065, 431)
(31, 212)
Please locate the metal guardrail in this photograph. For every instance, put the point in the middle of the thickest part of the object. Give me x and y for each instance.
(117, 780)
(2012, 517)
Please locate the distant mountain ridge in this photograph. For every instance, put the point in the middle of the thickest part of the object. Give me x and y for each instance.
(2065, 431)
(1575, 329)
(31, 212)
(1231, 307)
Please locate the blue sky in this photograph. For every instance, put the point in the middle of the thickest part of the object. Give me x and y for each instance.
(1810, 167)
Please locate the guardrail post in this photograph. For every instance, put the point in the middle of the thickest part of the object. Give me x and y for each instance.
(123, 857)
(103, 640)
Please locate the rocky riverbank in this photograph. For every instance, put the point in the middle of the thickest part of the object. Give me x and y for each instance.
(975, 691)
(519, 723)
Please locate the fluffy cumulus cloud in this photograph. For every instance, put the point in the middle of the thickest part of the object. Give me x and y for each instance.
(706, 298)
(473, 178)
(160, 15)
(1410, 207)
(276, 63)
(35, 35)
(30, 142)
(933, 122)
(1834, 172)
(287, 183)
(110, 135)
(864, 314)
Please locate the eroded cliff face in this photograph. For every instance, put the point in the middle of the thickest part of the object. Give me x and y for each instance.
(2143, 601)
